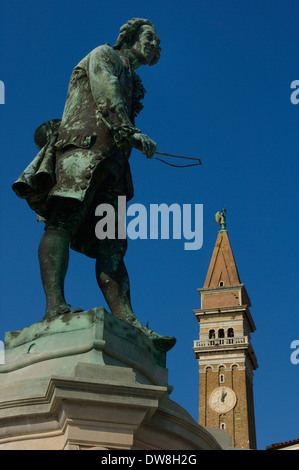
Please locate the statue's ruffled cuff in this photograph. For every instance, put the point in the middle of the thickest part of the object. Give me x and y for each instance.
(122, 134)
(118, 123)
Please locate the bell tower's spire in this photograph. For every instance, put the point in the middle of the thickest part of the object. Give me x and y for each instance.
(223, 269)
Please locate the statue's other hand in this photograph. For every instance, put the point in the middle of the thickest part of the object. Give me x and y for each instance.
(143, 143)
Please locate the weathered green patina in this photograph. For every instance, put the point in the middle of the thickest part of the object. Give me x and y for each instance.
(221, 218)
(84, 161)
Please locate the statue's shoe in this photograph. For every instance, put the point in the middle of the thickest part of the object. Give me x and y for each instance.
(77, 310)
(61, 310)
(163, 342)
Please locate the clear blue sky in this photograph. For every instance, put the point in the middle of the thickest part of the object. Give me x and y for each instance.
(221, 91)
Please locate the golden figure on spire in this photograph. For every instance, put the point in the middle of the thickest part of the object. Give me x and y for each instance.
(221, 218)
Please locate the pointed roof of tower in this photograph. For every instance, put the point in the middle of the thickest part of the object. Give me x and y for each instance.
(223, 269)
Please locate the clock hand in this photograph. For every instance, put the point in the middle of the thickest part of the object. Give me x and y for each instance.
(223, 396)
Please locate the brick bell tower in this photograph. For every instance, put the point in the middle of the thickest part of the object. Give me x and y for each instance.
(224, 353)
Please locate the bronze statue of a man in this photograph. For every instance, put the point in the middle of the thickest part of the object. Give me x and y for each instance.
(84, 161)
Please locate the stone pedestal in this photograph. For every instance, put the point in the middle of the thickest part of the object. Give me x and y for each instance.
(90, 381)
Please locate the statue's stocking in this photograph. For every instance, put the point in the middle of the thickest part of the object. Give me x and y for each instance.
(53, 256)
(113, 280)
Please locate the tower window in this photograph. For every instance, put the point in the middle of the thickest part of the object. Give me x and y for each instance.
(212, 334)
(230, 333)
(221, 284)
(222, 426)
(221, 378)
(221, 333)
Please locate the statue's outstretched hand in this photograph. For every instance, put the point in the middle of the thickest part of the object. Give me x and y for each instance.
(143, 143)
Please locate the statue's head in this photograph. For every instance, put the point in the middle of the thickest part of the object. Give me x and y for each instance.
(140, 33)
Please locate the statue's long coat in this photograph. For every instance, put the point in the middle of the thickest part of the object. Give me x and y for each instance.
(102, 101)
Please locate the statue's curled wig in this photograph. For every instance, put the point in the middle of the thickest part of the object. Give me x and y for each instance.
(128, 31)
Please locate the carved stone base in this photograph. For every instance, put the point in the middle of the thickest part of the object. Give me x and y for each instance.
(90, 381)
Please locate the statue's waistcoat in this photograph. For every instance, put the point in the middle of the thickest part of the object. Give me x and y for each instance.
(97, 115)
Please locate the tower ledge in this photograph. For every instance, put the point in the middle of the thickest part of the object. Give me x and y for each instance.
(231, 310)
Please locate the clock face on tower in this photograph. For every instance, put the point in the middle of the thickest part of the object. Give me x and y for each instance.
(222, 399)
